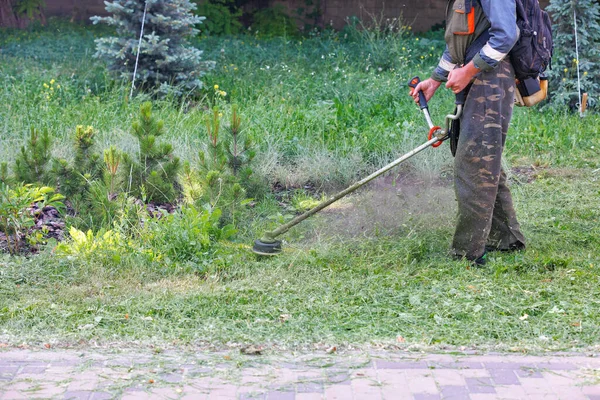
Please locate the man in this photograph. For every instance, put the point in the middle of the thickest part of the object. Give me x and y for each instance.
(486, 216)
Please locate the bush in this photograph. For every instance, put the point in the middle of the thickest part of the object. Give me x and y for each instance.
(152, 175)
(222, 17)
(16, 217)
(274, 21)
(31, 163)
(166, 60)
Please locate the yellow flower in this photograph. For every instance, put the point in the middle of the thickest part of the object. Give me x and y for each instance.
(58, 86)
(46, 85)
(52, 81)
(216, 87)
(584, 73)
(566, 69)
(404, 49)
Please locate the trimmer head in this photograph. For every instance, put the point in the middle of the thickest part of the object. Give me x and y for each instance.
(266, 248)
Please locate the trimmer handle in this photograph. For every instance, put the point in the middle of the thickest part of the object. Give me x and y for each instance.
(422, 100)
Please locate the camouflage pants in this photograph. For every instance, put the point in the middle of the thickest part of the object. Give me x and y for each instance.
(486, 215)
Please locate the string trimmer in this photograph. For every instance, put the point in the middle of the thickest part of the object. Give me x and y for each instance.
(267, 245)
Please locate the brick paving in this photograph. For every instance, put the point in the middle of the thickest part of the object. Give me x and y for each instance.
(141, 374)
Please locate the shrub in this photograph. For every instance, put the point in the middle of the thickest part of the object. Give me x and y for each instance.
(167, 62)
(16, 218)
(152, 175)
(274, 21)
(31, 163)
(222, 17)
(224, 165)
(564, 89)
(74, 179)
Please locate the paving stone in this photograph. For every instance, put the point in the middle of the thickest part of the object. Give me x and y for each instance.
(381, 364)
(338, 392)
(276, 395)
(480, 385)
(101, 396)
(309, 387)
(528, 373)
(445, 377)
(77, 395)
(32, 369)
(421, 382)
(171, 378)
(309, 396)
(426, 396)
(340, 378)
(251, 395)
(454, 392)
(504, 377)
(557, 366)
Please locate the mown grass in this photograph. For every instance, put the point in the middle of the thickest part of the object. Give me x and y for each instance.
(324, 110)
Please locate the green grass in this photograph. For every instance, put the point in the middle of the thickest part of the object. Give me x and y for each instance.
(324, 110)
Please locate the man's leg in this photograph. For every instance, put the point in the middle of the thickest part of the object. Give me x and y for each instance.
(505, 233)
(478, 163)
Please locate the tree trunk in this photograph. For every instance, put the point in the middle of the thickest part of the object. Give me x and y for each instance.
(8, 19)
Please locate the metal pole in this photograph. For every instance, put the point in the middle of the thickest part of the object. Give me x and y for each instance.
(137, 57)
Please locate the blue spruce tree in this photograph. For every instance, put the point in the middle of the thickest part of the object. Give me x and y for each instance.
(167, 62)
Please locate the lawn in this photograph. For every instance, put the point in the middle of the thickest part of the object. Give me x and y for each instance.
(372, 270)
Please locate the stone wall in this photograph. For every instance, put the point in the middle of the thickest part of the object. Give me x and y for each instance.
(420, 14)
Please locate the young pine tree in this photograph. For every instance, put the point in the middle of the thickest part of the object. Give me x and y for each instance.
(152, 175)
(74, 179)
(563, 74)
(31, 163)
(167, 61)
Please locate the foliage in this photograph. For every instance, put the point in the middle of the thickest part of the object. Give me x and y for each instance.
(152, 174)
(31, 163)
(274, 21)
(187, 236)
(29, 8)
(74, 179)
(222, 17)
(167, 62)
(16, 217)
(564, 85)
(224, 165)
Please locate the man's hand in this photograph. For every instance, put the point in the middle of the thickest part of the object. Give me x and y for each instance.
(459, 78)
(428, 86)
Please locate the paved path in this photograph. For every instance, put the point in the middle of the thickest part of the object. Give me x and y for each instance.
(90, 375)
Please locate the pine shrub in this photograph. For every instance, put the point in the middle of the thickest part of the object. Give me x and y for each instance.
(152, 175)
(167, 61)
(31, 164)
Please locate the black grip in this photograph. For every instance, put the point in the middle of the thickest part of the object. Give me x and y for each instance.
(422, 100)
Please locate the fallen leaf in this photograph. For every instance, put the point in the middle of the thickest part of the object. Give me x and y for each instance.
(577, 324)
(47, 345)
(400, 339)
(150, 380)
(227, 357)
(126, 316)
